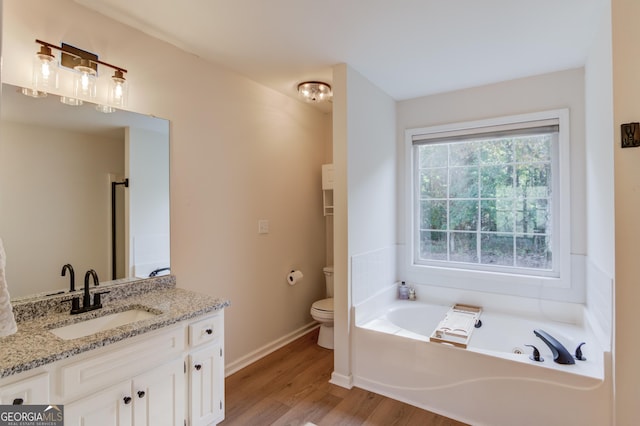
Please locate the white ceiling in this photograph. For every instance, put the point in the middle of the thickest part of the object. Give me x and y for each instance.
(408, 48)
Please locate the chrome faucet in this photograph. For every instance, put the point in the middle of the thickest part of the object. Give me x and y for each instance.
(72, 276)
(86, 298)
(560, 354)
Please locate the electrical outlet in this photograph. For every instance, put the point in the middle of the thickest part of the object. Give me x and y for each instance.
(263, 226)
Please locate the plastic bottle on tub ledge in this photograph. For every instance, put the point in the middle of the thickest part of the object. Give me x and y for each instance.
(403, 291)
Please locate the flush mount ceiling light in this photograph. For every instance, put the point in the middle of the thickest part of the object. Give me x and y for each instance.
(314, 91)
(85, 76)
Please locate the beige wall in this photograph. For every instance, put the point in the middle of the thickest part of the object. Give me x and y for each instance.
(239, 152)
(626, 88)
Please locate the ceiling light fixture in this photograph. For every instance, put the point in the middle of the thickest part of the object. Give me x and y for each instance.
(85, 65)
(314, 91)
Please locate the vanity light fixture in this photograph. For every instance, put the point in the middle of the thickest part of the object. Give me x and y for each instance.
(314, 91)
(85, 80)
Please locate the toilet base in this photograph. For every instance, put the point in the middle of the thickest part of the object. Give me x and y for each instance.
(325, 337)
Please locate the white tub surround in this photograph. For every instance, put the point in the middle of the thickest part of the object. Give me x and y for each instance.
(393, 356)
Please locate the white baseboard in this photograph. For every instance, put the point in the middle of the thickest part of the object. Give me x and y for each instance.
(268, 348)
(341, 380)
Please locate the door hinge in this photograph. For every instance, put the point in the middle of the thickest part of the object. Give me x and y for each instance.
(221, 352)
(221, 404)
(184, 364)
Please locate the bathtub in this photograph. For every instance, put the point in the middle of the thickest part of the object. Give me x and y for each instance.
(491, 382)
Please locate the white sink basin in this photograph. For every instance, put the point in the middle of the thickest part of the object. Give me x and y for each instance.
(95, 325)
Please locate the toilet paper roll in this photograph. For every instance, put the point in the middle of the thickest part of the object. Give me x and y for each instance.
(294, 277)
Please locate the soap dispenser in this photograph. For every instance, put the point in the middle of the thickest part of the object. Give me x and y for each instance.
(403, 291)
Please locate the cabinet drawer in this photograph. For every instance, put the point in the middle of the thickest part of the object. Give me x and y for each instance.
(206, 330)
(119, 362)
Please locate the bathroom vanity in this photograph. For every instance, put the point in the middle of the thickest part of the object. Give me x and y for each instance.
(164, 369)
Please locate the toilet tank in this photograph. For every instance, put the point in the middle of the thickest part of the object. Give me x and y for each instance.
(328, 278)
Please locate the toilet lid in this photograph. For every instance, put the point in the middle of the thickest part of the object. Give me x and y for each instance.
(323, 305)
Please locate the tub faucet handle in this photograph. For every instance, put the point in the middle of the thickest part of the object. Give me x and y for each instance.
(536, 354)
(579, 355)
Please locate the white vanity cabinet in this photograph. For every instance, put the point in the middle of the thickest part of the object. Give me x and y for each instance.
(173, 376)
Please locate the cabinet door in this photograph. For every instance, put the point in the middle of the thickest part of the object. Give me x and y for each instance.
(33, 390)
(159, 396)
(110, 407)
(207, 385)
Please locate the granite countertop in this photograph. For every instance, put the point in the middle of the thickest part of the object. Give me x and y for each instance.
(34, 345)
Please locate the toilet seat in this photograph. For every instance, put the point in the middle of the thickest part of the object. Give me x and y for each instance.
(323, 309)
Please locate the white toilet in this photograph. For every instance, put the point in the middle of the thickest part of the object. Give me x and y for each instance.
(322, 311)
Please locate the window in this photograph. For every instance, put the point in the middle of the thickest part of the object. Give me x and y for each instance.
(487, 196)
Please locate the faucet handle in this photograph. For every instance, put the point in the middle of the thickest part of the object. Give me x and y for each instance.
(579, 355)
(97, 298)
(75, 305)
(536, 354)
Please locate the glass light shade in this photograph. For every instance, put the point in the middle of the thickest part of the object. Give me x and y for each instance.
(314, 91)
(105, 108)
(118, 90)
(33, 93)
(45, 70)
(70, 101)
(84, 84)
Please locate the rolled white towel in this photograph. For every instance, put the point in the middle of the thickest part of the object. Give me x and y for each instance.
(7, 320)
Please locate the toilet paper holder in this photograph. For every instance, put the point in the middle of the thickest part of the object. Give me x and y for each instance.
(294, 276)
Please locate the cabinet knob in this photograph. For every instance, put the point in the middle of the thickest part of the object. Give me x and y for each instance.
(198, 366)
(141, 394)
(209, 331)
(127, 399)
(18, 401)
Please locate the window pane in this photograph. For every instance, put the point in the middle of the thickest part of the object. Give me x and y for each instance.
(496, 215)
(496, 181)
(534, 180)
(433, 214)
(433, 155)
(497, 151)
(433, 183)
(464, 182)
(464, 247)
(497, 249)
(533, 252)
(532, 216)
(463, 154)
(433, 245)
(533, 149)
(463, 215)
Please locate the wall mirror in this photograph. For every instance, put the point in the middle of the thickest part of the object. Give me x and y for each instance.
(62, 174)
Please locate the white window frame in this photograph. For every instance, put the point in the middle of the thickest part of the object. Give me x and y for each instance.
(483, 278)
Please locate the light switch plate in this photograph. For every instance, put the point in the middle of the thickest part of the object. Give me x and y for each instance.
(263, 226)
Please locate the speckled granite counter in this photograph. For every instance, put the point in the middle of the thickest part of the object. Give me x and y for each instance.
(34, 345)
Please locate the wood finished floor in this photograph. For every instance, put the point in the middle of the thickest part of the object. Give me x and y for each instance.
(291, 387)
